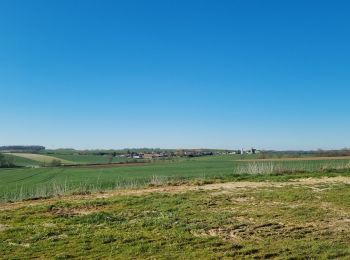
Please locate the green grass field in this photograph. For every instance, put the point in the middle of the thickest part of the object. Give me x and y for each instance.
(38, 157)
(20, 161)
(89, 159)
(293, 222)
(216, 207)
(22, 183)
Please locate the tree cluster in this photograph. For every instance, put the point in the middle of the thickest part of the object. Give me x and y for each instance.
(22, 148)
(6, 161)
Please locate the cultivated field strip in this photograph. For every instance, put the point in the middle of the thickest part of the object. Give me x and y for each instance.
(39, 157)
(24, 183)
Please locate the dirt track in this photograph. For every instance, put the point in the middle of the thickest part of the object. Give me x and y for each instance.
(309, 182)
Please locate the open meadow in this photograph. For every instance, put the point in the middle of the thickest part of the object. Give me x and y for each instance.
(23, 183)
(204, 208)
(284, 220)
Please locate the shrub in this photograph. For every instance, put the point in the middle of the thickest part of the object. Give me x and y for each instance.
(6, 161)
(55, 163)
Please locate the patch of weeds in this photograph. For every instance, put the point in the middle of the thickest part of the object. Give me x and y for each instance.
(97, 203)
(308, 213)
(106, 239)
(87, 247)
(287, 194)
(250, 251)
(81, 192)
(100, 218)
(64, 256)
(270, 255)
(201, 182)
(44, 235)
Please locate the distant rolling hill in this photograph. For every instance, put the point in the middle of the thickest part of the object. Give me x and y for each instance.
(37, 158)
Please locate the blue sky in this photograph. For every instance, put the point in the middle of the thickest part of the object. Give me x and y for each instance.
(172, 74)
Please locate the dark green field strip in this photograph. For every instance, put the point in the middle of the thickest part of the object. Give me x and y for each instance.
(88, 159)
(188, 168)
(22, 174)
(29, 181)
(16, 178)
(52, 175)
(20, 161)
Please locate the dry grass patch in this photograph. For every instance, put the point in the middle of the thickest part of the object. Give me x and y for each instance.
(319, 158)
(4, 227)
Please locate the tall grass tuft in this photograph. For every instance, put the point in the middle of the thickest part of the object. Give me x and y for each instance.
(256, 168)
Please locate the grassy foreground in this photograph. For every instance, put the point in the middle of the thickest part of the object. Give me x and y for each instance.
(254, 222)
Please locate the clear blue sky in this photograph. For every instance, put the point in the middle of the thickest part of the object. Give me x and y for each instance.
(177, 73)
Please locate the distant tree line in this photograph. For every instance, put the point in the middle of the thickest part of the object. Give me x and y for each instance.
(297, 154)
(109, 152)
(333, 153)
(22, 148)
